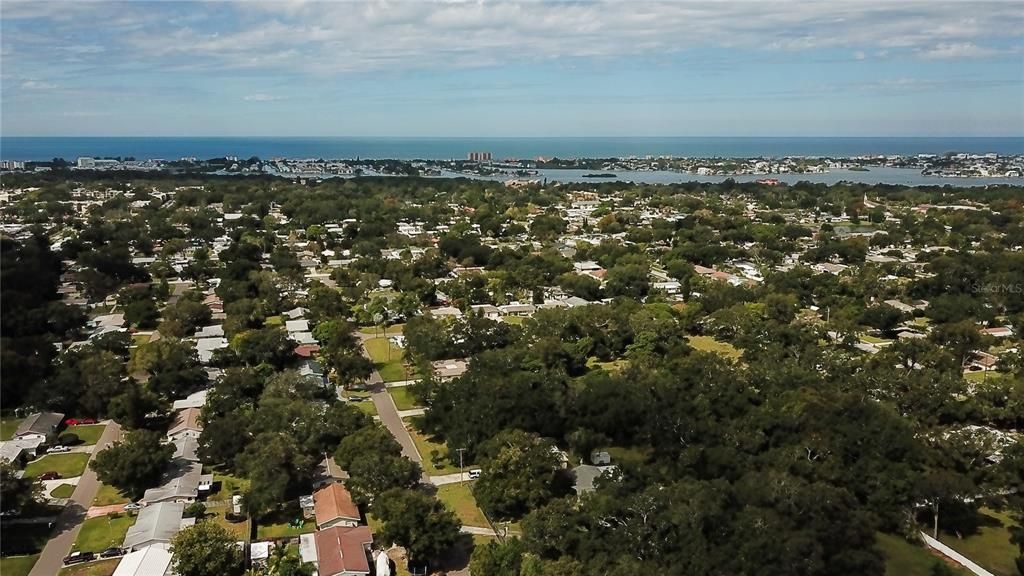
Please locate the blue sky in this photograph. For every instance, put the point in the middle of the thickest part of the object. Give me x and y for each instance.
(412, 68)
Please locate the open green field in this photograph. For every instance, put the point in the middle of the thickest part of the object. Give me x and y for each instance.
(376, 330)
(279, 525)
(403, 398)
(905, 559)
(991, 546)
(983, 376)
(8, 426)
(63, 491)
(17, 565)
(274, 321)
(67, 465)
(389, 359)
(709, 344)
(108, 495)
(514, 320)
(89, 435)
(459, 499)
(101, 568)
(103, 532)
(874, 339)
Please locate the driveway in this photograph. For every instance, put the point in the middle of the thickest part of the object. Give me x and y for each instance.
(97, 511)
(449, 478)
(70, 520)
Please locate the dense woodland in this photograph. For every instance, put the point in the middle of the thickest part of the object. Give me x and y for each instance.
(786, 459)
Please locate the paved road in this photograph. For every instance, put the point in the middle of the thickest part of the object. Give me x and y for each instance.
(70, 520)
(412, 412)
(388, 413)
(478, 530)
(401, 383)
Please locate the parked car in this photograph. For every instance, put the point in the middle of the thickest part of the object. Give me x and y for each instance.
(133, 506)
(111, 553)
(475, 473)
(58, 449)
(84, 421)
(79, 557)
(71, 422)
(51, 475)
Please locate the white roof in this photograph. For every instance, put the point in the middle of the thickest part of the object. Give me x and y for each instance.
(193, 400)
(150, 561)
(296, 326)
(259, 551)
(307, 548)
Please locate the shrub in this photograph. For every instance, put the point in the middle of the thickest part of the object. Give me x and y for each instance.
(70, 439)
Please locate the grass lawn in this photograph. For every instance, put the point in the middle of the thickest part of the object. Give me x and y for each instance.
(621, 455)
(514, 320)
(8, 426)
(101, 568)
(404, 399)
(102, 532)
(239, 529)
(459, 499)
(367, 407)
(874, 339)
(140, 339)
(63, 491)
(278, 525)
(390, 330)
(983, 376)
(391, 367)
(108, 495)
(89, 435)
(905, 559)
(990, 547)
(424, 445)
(17, 565)
(67, 465)
(274, 321)
(229, 486)
(709, 344)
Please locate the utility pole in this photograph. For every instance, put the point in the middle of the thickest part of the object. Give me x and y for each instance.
(462, 473)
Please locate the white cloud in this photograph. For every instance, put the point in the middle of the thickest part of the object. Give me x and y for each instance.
(326, 38)
(262, 98)
(958, 50)
(37, 85)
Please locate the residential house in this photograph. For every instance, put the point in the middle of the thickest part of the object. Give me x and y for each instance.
(488, 311)
(156, 525)
(39, 425)
(449, 369)
(338, 551)
(181, 484)
(193, 400)
(186, 423)
(333, 506)
(149, 561)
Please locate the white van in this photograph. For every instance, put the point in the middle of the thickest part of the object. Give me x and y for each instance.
(475, 473)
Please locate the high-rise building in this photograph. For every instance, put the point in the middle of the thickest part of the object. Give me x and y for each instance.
(480, 156)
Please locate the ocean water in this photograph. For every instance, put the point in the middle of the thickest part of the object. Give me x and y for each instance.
(69, 148)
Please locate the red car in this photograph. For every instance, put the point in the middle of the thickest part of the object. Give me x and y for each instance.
(79, 421)
(71, 422)
(49, 475)
(87, 421)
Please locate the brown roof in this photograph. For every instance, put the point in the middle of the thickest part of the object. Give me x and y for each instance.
(306, 350)
(340, 549)
(187, 419)
(332, 502)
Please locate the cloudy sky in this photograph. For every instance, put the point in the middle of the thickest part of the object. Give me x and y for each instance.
(417, 68)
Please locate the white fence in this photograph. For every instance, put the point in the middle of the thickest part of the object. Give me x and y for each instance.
(954, 555)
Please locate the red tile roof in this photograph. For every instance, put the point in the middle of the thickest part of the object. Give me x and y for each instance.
(341, 549)
(306, 350)
(333, 502)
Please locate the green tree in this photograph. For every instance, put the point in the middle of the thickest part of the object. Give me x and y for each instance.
(206, 548)
(416, 521)
(135, 463)
(16, 493)
(520, 472)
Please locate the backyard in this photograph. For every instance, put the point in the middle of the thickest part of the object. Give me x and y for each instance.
(103, 532)
(281, 524)
(241, 530)
(67, 465)
(227, 486)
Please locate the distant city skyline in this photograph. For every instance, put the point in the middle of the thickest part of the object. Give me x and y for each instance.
(496, 69)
